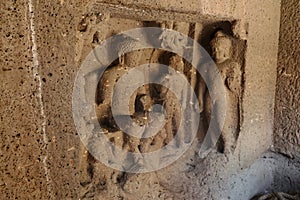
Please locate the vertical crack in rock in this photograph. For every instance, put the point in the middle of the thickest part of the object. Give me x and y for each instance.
(37, 78)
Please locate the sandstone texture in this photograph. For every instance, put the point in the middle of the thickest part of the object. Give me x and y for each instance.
(43, 46)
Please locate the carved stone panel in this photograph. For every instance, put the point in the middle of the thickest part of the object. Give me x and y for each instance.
(215, 36)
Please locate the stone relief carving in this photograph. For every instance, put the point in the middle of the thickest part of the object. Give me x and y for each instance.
(145, 97)
(222, 47)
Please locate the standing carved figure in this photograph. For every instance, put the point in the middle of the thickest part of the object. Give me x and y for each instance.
(230, 71)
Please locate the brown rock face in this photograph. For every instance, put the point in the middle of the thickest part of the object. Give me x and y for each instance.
(43, 45)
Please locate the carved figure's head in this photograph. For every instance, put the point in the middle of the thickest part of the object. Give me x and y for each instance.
(221, 47)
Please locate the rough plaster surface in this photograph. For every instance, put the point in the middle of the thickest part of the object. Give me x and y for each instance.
(26, 154)
(41, 153)
(271, 172)
(287, 113)
(22, 148)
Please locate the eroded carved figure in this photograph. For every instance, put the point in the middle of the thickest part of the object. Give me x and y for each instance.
(230, 71)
